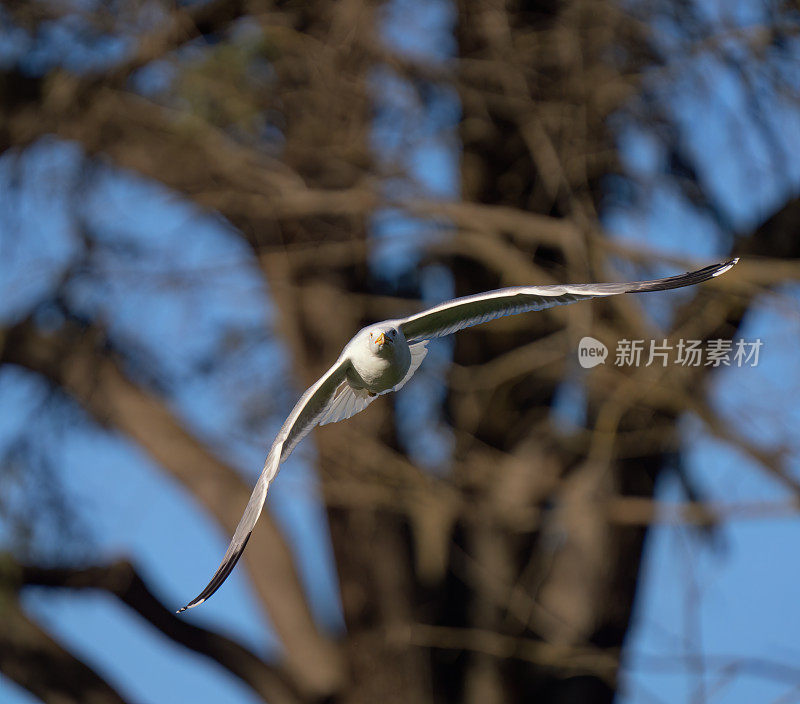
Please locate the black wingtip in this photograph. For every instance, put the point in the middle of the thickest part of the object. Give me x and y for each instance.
(228, 563)
(688, 279)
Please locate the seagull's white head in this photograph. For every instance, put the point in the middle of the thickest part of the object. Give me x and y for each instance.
(382, 338)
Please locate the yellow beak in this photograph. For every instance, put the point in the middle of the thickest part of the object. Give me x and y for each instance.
(381, 339)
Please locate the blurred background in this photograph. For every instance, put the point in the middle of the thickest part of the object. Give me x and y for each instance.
(200, 203)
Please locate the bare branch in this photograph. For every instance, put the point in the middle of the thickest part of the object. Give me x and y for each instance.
(123, 581)
(32, 659)
(73, 359)
(568, 659)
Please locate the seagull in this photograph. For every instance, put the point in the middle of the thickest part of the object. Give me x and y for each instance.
(382, 357)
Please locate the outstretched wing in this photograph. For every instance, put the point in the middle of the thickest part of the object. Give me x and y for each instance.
(346, 403)
(309, 410)
(418, 351)
(461, 313)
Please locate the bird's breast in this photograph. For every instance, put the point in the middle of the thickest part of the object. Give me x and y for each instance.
(378, 373)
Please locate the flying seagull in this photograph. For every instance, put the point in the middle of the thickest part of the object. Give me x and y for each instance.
(383, 357)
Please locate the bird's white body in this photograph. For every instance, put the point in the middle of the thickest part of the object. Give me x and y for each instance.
(383, 357)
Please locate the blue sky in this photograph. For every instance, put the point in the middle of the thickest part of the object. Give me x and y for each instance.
(732, 595)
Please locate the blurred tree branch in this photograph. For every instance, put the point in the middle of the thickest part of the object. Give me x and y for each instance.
(123, 581)
(35, 661)
(77, 360)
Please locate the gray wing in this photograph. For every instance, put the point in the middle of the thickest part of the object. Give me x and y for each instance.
(465, 312)
(307, 413)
